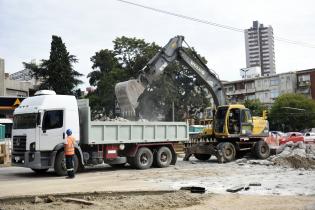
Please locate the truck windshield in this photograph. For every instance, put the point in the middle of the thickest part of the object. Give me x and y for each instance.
(25, 121)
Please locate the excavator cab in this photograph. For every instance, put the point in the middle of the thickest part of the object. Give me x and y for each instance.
(232, 121)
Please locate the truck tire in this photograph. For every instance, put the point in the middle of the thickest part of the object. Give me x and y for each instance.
(143, 159)
(202, 157)
(163, 157)
(40, 171)
(60, 165)
(261, 149)
(228, 151)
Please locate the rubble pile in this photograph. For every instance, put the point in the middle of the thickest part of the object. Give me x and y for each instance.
(295, 155)
(116, 119)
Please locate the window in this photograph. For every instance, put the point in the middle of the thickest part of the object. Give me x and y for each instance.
(246, 117)
(274, 81)
(305, 77)
(274, 93)
(25, 121)
(53, 119)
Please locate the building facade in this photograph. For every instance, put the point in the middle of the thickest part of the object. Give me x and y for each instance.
(259, 45)
(9, 87)
(266, 88)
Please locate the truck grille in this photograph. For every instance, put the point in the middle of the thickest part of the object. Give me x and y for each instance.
(19, 143)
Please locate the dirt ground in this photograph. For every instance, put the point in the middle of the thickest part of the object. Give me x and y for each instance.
(159, 188)
(160, 200)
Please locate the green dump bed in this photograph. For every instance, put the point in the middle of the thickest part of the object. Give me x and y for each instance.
(115, 132)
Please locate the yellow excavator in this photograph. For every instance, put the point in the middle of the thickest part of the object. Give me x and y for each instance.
(233, 129)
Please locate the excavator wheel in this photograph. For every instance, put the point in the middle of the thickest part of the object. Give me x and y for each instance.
(228, 151)
(261, 149)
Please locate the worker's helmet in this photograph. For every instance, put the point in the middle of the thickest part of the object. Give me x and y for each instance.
(69, 132)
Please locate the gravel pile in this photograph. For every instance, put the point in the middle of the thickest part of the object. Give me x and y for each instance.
(295, 155)
(290, 155)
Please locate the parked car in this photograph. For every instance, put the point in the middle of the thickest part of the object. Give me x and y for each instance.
(291, 136)
(309, 137)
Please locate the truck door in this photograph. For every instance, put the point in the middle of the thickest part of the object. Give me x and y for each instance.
(52, 132)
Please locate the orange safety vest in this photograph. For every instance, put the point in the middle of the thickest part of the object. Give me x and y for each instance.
(69, 147)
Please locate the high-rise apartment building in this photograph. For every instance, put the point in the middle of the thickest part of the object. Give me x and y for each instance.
(259, 45)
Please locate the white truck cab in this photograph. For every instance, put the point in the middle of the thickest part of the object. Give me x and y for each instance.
(39, 126)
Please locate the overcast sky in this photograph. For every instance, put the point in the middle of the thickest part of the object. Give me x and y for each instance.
(86, 27)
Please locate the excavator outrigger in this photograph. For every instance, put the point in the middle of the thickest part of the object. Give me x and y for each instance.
(233, 129)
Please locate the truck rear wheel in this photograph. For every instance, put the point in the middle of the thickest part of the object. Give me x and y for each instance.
(163, 157)
(261, 149)
(143, 159)
(202, 157)
(228, 151)
(60, 164)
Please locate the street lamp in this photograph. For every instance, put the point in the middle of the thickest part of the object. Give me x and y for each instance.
(245, 71)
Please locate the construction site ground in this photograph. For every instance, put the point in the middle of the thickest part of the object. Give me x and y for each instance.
(158, 188)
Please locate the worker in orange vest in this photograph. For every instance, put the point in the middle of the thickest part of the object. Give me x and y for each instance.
(69, 153)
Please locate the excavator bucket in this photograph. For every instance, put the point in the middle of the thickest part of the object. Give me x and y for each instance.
(127, 94)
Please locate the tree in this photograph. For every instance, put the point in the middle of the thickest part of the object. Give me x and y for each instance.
(107, 72)
(57, 72)
(292, 112)
(255, 106)
(113, 66)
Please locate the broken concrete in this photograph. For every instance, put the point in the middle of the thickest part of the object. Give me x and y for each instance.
(295, 155)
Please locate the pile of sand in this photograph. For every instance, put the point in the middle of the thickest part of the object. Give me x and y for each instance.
(295, 155)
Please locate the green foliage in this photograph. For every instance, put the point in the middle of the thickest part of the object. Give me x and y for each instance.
(134, 53)
(57, 72)
(107, 72)
(292, 112)
(255, 106)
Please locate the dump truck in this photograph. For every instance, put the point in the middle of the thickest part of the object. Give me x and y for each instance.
(38, 134)
(233, 129)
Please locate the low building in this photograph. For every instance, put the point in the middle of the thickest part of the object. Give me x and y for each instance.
(9, 87)
(11, 91)
(266, 88)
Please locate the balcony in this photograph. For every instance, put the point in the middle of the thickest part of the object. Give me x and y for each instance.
(306, 83)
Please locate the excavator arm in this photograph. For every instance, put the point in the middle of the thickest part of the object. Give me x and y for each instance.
(128, 92)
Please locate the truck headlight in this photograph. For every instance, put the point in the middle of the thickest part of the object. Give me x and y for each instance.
(32, 146)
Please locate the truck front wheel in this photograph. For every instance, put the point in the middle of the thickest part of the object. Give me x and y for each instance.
(143, 159)
(163, 157)
(60, 164)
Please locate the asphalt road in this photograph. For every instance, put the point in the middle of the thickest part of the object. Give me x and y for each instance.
(16, 181)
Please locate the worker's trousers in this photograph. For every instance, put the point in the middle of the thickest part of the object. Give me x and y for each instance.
(69, 165)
